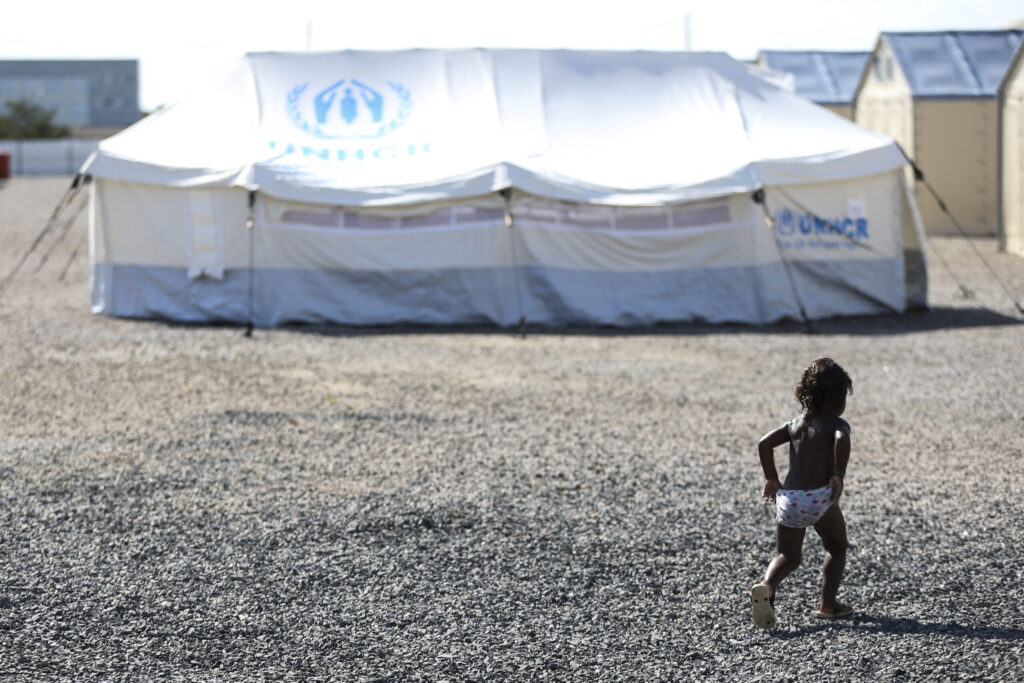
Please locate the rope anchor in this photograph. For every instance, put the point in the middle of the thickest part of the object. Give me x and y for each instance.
(965, 292)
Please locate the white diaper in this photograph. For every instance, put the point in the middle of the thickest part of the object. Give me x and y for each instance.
(799, 509)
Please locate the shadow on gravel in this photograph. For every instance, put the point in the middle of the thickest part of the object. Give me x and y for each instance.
(872, 623)
(938, 318)
(877, 325)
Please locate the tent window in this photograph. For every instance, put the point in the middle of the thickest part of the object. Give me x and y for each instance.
(326, 218)
(428, 220)
(536, 211)
(700, 213)
(369, 221)
(481, 211)
(588, 217)
(550, 213)
(474, 215)
(641, 218)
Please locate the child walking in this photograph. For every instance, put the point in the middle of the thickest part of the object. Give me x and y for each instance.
(819, 448)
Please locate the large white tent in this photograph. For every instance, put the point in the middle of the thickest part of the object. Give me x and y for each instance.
(464, 186)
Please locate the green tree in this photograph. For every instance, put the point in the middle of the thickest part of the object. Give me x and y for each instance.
(27, 121)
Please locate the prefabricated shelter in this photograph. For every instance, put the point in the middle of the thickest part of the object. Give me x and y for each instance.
(937, 94)
(827, 78)
(502, 186)
(1012, 127)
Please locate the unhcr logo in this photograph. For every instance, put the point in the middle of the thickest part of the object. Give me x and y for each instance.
(790, 224)
(349, 108)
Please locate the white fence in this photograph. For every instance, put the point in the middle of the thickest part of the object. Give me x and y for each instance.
(48, 157)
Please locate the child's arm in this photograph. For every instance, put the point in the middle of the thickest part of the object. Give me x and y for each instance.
(766, 452)
(842, 457)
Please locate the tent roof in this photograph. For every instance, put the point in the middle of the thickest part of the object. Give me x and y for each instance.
(403, 127)
(955, 63)
(822, 77)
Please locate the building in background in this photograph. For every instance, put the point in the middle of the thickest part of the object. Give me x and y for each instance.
(95, 98)
(826, 78)
(1011, 238)
(937, 94)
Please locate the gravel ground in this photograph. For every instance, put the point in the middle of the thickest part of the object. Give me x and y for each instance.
(182, 502)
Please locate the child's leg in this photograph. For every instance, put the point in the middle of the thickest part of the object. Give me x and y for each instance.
(832, 530)
(789, 542)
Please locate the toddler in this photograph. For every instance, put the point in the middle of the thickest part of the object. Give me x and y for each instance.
(819, 448)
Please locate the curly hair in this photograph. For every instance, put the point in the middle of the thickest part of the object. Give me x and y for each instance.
(824, 384)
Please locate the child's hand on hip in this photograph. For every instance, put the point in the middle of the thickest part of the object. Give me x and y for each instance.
(836, 482)
(770, 487)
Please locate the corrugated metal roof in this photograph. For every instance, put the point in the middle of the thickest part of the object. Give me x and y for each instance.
(955, 63)
(822, 77)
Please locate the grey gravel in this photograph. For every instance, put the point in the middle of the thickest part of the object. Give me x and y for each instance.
(185, 503)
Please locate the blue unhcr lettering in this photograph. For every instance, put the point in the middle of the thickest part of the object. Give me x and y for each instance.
(359, 155)
(806, 225)
(855, 230)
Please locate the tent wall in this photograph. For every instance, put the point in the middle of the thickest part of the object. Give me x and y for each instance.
(184, 254)
(168, 252)
(860, 271)
(1012, 234)
(915, 261)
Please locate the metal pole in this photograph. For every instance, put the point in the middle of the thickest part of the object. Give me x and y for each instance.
(250, 226)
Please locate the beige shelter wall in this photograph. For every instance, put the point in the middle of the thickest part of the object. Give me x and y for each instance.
(844, 110)
(884, 104)
(956, 145)
(1012, 236)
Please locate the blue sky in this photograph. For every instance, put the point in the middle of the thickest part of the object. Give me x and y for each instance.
(184, 41)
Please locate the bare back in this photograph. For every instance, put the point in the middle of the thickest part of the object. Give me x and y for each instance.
(812, 440)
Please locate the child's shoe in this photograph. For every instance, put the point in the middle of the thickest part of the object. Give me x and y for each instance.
(761, 603)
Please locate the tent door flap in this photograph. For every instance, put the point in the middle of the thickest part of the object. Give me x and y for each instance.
(205, 244)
